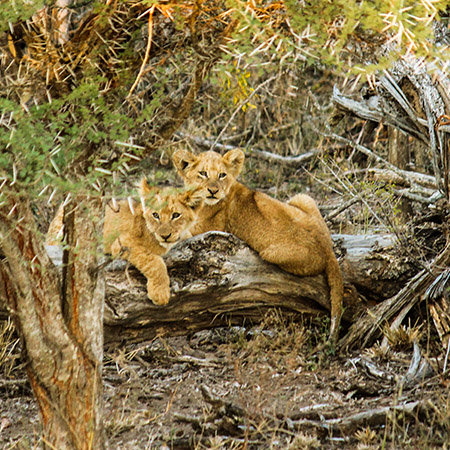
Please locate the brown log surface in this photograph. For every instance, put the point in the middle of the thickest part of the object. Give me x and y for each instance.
(216, 279)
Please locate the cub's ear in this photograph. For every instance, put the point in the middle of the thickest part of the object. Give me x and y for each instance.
(146, 193)
(138, 209)
(234, 160)
(182, 159)
(145, 189)
(193, 199)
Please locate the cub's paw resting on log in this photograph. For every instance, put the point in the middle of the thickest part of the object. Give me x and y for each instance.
(141, 232)
(292, 235)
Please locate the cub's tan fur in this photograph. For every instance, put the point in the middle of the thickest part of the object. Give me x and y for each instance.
(162, 218)
(291, 235)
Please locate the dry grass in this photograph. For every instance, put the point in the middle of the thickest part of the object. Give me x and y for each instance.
(304, 441)
(366, 436)
(9, 344)
(402, 336)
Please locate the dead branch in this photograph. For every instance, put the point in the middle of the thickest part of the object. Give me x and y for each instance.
(400, 178)
(371, 109)
(291, 161)
(418, 370)
(373, 417)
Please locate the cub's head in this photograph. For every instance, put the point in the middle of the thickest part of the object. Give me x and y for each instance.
(213, 173)
(169, 212)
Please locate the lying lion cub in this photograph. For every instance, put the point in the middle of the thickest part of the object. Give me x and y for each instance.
(293, 236)
(141, 236)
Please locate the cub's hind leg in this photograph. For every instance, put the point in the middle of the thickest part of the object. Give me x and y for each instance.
(305, 203)
(300, 260)
(308, 206)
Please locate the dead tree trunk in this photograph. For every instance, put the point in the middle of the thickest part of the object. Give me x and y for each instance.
(61, 333)
(412, 103)
(217, 280)
(410, 100)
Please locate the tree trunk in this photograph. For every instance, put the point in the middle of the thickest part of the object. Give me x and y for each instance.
(61, 333)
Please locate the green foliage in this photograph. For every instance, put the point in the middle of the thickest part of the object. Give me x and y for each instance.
(332, 26)
(43, 140)
(46, 139)
(345, 35)
(15, 10)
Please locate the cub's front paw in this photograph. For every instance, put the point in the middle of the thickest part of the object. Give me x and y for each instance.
(159, 295)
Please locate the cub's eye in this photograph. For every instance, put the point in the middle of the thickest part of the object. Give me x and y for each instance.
(222, 175)
(155, 215)
(203, 174)
(175, 215)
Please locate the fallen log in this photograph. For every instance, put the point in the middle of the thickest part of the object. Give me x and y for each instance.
(216, 280)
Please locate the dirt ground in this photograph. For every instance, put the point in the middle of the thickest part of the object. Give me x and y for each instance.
(253, 388)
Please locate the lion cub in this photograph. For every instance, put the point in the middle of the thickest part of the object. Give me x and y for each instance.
(147, 230)
(292, 235)
(141, 232)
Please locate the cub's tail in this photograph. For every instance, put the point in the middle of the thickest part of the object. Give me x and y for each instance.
(306, 204)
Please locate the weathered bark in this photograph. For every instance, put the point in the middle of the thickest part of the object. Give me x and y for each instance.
(61, 335)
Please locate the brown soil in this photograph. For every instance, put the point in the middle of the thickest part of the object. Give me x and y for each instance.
(251, 388)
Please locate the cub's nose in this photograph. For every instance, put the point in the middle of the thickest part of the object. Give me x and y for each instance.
(166, 236)
(213, 191)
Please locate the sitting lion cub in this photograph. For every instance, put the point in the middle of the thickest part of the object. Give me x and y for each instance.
(293, 236)
(141, 236)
